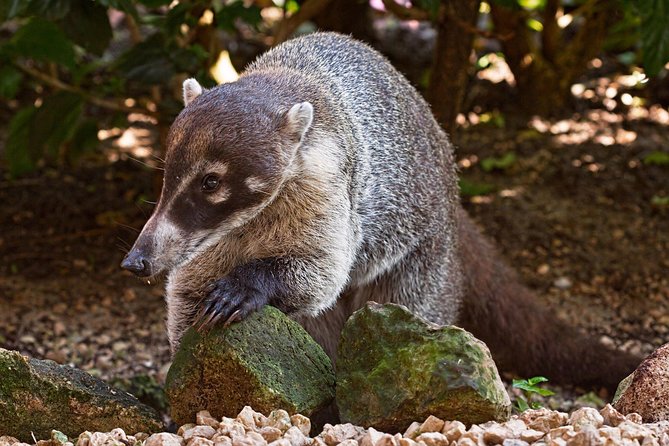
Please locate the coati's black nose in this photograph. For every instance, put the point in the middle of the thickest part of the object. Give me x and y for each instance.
(135, 262)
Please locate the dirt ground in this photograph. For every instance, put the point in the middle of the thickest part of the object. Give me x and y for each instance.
(581, 213)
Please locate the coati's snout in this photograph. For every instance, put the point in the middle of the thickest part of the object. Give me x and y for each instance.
(228, 154)
(137, 263)
(157, 247)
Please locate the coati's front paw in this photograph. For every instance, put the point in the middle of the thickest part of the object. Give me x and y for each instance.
(228, 300)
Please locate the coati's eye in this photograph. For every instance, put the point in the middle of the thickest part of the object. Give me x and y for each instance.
(210, 183)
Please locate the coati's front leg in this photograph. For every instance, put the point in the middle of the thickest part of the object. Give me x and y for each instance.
(289, 284)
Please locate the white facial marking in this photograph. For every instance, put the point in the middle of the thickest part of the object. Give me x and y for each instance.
(255, 184)
(218, 168)
(165, 232)
(220, 195)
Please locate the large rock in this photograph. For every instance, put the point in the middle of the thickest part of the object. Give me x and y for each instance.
(38, 396)
(394, 367)
(646, 391)
(267, 361)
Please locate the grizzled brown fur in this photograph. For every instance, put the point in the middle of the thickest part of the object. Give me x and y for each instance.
(319, 181)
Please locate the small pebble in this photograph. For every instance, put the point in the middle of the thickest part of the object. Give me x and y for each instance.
(279, 419)
(200, 441)
(432, 424)
(586, 416)
(199, 432)
(539, 427)
(433, 439)
(302, 423)
(413, 430)
(247, 417)
(454, 430)
(270, 433)
(296, 437)
(204, 418)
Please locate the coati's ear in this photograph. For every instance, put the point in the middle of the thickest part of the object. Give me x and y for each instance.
(192, 89)
(299, 118)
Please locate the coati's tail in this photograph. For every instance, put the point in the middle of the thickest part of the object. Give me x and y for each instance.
(524, 336)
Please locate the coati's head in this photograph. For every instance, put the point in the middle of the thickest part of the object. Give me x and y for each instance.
(228, 153)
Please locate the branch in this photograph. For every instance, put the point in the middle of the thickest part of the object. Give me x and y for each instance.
(471, 29)
(404, 13)
(307, 11)
(56, 83)
(550, 37)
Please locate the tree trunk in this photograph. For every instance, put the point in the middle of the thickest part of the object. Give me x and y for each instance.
(347, 17)
(544, 74)
(451, 60)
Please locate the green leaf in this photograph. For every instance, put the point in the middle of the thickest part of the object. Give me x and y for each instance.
(148, 62)
(18, 157)
(10, 80)
(48, 9)
(175, 17)
(543, 392)
(55, 122)
(494, 163)
(189, 59)
(228, 15)
(84, 140)
(88, 26)
(532, 5)
(521, 404)
(11, 8)
(522, 384)
(471, 188)
(536, 380)
(657, 158)
(126, 6)
(654, 34)
(660, 201)
(535, 24)
(531, 385)
(42, 40)
(511, 4)
(431, 6)
(155, 3)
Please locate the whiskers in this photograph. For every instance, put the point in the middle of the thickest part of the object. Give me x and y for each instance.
(145, 164)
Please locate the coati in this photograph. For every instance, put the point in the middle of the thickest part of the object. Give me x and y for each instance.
(319, 181)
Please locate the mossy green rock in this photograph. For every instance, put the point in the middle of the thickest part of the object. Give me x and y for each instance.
(267, 361)
(394, 368)
(38, 396)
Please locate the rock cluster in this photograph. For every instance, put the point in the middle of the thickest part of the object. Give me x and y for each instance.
(539, 427)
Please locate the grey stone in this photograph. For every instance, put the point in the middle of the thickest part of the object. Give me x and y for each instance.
(646, 391)
(394, 367)
(266, 361)
(36, 396)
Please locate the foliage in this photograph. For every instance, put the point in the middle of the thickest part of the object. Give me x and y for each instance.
(471, 188)
(69, 68)
(657, 158)
(498, 163)
(71, 71)
(529, 388)
(642, 24)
